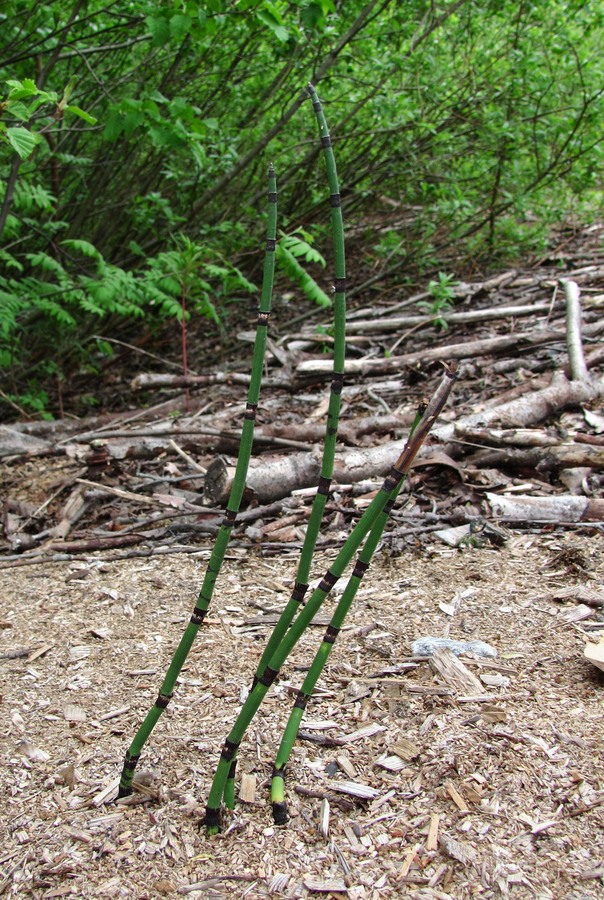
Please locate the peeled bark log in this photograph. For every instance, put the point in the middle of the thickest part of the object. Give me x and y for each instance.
(558, 509)
(542, 459)
(272, 478)
(526, 410)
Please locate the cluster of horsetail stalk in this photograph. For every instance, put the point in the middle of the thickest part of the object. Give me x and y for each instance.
(364, 537)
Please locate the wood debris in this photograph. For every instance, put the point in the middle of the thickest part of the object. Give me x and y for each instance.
(454, 673)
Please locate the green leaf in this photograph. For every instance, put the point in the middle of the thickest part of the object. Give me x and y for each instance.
(180, 26)
(299, 274)
(20, 111)
(82, 114)
(270, 19)
(22, 141)
(84, 247)
(159, 29)
(19, 90)
(301, 248)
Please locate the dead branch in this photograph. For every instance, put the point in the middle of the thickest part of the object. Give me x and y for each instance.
(526, 410)
(319, 368)
(576, 358)
(381, 326)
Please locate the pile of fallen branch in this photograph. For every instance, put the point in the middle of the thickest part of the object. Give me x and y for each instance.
(525, 442)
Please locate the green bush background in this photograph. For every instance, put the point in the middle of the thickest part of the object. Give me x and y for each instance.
(135, 138)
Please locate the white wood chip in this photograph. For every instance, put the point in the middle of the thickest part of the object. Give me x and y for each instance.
(363, 791)
(391, 763)
(324, 818)
(406, 749)
(74, 713)
(364, 732)
(113, 713)
(320, 726)
(26, 748)
(247, 788)
(325, 885)
(279, 882)
(462, 852)
(346, 766)
(107, 793)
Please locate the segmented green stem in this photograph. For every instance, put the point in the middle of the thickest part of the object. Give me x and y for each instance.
(224, 534)
(331, 633)
(351, 545)
(333, 414)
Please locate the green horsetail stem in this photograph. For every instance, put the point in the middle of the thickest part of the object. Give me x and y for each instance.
(304, 618)
(238, 487)
(333, 415)
(331, 633)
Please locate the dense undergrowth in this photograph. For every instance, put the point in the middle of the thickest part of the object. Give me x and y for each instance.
(134, 138)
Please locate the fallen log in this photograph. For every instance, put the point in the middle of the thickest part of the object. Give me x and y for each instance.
(527, 410)
(561, 508)
(274, 477)
(542, 459)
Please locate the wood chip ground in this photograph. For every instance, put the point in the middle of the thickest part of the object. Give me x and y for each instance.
(497, 795)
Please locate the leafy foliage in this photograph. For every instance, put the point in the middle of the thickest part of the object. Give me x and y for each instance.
(442, 292)
(291, 248)
(131, 126)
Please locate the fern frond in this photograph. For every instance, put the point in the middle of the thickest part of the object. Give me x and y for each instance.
(299, 274)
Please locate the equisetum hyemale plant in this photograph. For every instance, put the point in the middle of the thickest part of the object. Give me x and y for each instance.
(333, 415)
(224, 534)
(364, 537)
(370, 520)
(329, 639)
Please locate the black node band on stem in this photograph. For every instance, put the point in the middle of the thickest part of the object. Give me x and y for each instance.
(229, 750)
(299, 591)
(335, 200)
(272, 197)
(163, 700)
(328, 581)
(339, 285)
(131, 760)
(391, 480)
(197, 616)
(278, 771)
(326, 141)
(337, 383)
(233, 768)
(280, 816)
(324, 485)
(301, 700)
(268, 676)
(331, 633)
(360, 567)
(212, 820)
(263, 318)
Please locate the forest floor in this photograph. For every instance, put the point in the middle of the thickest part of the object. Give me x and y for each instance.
(490, 787)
